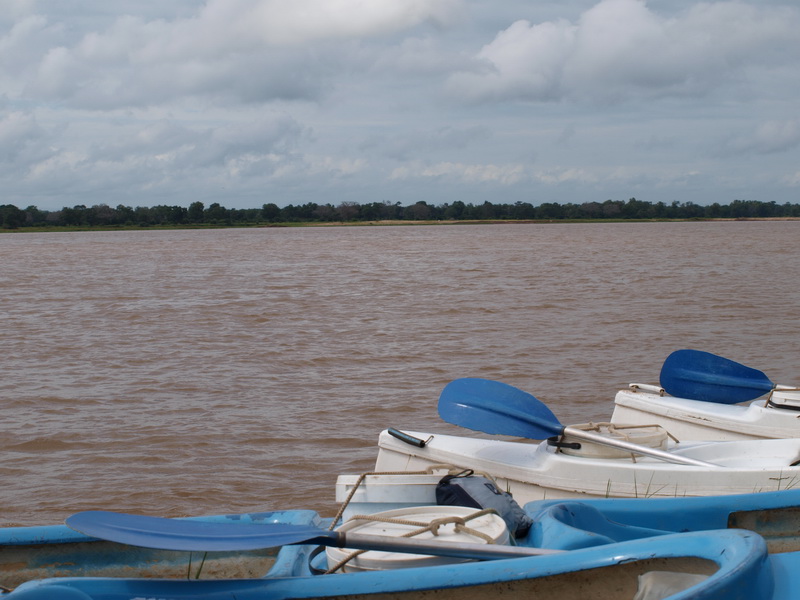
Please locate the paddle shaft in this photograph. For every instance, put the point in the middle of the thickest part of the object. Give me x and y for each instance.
(495, 407)
(436, 548)
(635, 448)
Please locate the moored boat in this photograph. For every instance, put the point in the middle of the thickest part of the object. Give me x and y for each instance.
(588, 460)
(543, 471)
(702, 396)
(679, 547)
(687, 565)
(38, 552)
(570, 524)
(687, 419)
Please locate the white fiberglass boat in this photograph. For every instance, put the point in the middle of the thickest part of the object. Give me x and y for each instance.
(602, 460)
(536, 471)
(707, 397)
(777, 416)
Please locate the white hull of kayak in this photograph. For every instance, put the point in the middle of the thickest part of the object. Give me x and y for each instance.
(535, 471)
(698, 420)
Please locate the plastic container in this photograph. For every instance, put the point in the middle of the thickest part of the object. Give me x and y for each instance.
(490, 524)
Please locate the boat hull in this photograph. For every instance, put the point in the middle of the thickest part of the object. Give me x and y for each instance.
(700, 565)
(688, 419)
(557, 524)
(718, 564)
(29, 553)
(532, 471)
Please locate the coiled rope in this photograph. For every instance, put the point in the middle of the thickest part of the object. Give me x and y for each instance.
(459, 526)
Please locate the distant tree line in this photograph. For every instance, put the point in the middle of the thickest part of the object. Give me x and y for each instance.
(197, 214)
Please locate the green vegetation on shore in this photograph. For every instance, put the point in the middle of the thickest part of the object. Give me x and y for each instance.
(102, 216)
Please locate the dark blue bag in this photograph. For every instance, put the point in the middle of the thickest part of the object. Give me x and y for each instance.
(474, 491)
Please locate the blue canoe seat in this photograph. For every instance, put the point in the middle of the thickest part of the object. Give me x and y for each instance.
(573, 525)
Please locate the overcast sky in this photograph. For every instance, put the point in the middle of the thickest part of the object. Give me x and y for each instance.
(244, 102)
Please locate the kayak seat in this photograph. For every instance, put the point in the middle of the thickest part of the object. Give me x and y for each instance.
(574, 525)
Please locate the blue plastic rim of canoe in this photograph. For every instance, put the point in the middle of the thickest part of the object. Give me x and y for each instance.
(50, 592)
(699, 375)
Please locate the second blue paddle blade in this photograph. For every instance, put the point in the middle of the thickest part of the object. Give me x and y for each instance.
(704, 376)
(178, 534)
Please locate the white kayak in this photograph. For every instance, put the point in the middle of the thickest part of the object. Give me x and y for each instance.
(702, 396)
(777, 416)
(536, 471)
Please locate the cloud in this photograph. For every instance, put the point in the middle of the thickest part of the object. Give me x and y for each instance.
(184, 147)
(513, 175)
(463, 173)
(237, 50)
(792, 179)
(156, 158)
(302, 21)
(407, 145)
(621, 48)
(22, 141)
(237, 100)
(17, 8)
(770, 137)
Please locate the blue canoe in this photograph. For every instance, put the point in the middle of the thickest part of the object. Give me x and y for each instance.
(38, 552)
(721, 564)
(774, 516)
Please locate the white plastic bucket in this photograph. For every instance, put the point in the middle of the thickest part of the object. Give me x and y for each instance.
(489, 524)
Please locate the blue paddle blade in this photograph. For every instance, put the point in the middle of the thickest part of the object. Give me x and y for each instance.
(704, 376)
(177, 534)
(200, 536)
(498, 408)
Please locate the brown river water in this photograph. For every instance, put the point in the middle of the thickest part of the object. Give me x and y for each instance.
(204, 372)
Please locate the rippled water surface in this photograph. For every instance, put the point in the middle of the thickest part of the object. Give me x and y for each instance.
(200, 372)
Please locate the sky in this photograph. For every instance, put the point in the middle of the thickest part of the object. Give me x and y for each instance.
(248, 102)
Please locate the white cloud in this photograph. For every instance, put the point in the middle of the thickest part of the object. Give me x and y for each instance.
(302, 21)
(243, 50)
(792, 179)
(524, 61)
(17, 8)
(335, 166)
(150, 102)
(415, 144)
(463, 173)
(620, 48)
(23, 144)
(566, 175)
(157, 158)
(769, 137)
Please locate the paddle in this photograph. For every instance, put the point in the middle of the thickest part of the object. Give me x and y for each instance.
(177, 534)
(704, 376)
(495, 407)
